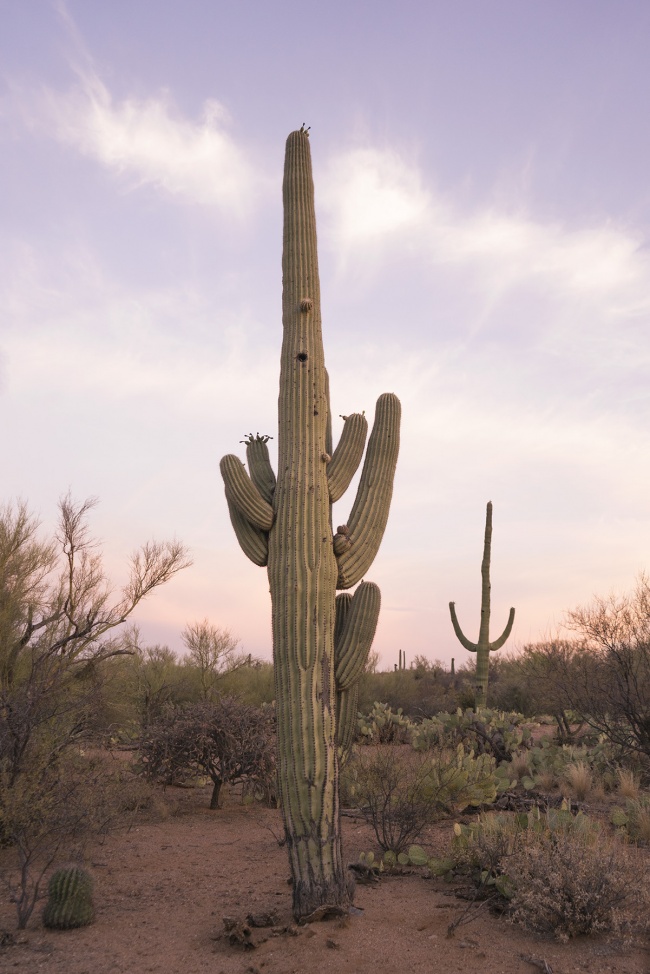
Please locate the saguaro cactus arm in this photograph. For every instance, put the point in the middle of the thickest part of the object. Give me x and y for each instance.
(369, 514)
(498, 643)
(356, 623)
(352, 644)
(253, 542)
(462, 638)
(347, 455)
(243, 493)
(262, 475)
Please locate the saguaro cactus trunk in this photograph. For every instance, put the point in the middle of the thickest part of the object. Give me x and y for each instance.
(483, 647)
(320, 640)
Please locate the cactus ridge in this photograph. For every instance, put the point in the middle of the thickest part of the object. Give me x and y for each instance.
(320, 640)
(483, 647)
(70, 899)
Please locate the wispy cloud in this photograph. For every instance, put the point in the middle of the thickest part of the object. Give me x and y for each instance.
(378, 201)
(149, 142)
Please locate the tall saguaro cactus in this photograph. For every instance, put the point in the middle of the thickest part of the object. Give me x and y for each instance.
(483, 647)
(321, 641)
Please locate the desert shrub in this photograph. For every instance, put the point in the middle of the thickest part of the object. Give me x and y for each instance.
(424, 689)
(253, 683)
(51, 811)
(224, 740)
(569, 884)
(554, 872)
(634, 819)
(603, 674)
(400, 791)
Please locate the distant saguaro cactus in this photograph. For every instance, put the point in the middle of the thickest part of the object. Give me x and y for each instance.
(320, 640)
(483, 647)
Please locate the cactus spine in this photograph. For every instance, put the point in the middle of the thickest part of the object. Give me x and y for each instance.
(483, 647)
(321, 641)
(70, 901)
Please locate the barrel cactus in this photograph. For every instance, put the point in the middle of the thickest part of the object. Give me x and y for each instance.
(70, 902)
(321, 640)
(483, 647)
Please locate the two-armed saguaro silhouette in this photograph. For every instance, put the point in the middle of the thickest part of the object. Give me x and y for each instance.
(320, 640)
(483, 647)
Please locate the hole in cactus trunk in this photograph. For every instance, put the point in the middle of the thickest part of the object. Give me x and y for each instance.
(302, 356)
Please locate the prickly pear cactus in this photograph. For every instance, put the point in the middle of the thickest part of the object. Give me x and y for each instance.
(320, 640)
(70, 902)
(483, 647)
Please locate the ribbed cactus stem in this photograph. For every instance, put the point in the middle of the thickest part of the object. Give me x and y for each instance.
(70, 902)
(483, 647)
(320, 642)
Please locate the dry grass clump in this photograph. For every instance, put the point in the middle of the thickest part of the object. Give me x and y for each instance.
(579, 778)
(520, 764)
(638, 812)
(569, 884)
(628, 783)
(547, 781)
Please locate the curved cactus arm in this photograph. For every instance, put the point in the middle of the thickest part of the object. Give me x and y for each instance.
(463, 640)
(367, 521)
(252, 541)
(244, 494)
(347, 455)
(498, 643)
(356, 636)
(262, 475)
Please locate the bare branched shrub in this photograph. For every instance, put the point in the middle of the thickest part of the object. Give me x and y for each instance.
(52, 810)
(556, 872)
(569, 884)
(400, 791)
(225, 740)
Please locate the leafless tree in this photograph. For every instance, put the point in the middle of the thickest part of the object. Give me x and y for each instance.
(58, 615)
(604, 674)
(214, 652)
(59, 620)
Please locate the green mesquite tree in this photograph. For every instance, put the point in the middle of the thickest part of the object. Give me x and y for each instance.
(320, 640)
(483, 647)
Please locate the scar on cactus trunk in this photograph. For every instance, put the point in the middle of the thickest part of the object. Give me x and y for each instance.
(321, 641)
(483, 647)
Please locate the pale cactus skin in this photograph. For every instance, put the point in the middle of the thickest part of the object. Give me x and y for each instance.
(321, 641)
(483, 647)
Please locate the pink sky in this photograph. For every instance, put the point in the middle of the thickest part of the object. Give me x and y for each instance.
(483, 209)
